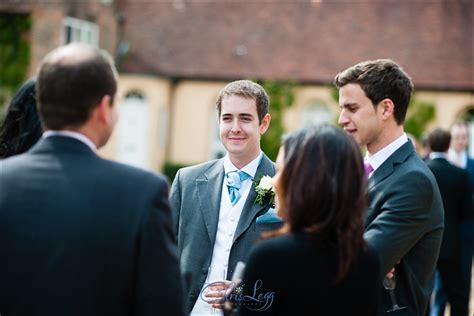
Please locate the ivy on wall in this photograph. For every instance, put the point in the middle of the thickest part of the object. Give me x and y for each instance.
(14, 54)
(170, 169)
(419, 114)
(281, 96)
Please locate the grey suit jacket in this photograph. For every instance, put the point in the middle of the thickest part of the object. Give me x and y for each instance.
(405, 222)
(81, 235)
(195, 202)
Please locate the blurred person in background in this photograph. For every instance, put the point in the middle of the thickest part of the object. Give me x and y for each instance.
(425, 148)
(455, 191)
(21, 128)
(458, 156)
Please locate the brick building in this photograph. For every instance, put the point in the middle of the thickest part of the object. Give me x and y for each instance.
(175, 56)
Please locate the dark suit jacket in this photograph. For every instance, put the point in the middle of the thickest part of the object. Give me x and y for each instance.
(468, 225)
(81, 235)
(195, 201)
(405, 222)
(455, 190)
(470, 171)
(291, 275)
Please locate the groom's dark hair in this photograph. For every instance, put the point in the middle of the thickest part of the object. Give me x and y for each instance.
(246, 89)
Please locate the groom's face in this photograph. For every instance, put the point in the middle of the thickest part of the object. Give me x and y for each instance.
(239, 127)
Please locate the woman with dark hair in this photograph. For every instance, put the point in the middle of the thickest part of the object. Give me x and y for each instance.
(21, 128)
(318, 263)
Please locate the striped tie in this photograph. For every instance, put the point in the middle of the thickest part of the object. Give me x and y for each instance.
(368, 168)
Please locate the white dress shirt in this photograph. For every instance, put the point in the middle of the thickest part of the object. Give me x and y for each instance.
(377, 159)
(437, 155)
(80, 137)
(458, 158)
(228, 219)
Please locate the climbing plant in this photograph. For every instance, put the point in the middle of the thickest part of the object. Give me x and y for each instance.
(14, 54)
(282, 96)
(419, 114)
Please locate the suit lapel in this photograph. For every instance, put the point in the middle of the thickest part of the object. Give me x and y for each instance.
(209, 188)
(251, 209)
(387, 168)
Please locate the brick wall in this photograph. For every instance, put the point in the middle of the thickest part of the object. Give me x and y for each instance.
(47, 23)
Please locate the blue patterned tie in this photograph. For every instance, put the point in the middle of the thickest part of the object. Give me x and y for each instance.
(233, 180)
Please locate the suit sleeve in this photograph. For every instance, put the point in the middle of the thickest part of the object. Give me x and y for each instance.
(175, 201)
(404, 218)
(159, 282)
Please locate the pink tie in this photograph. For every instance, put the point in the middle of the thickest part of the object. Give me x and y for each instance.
(368, 168)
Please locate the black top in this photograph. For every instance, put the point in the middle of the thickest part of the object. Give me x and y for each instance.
(290, 275)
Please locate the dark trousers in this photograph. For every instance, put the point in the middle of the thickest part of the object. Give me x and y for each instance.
(453, 286)
(464, 273)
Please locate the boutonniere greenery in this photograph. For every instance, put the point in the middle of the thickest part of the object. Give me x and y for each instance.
(265, 190)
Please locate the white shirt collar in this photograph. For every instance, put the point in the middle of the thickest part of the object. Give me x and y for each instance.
(436, 154)
(250, 168)
(458, 158)
(80, 137)
(377, 159)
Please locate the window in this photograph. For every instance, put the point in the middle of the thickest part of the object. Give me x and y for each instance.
(76, 30)
(315, 112)
(133, 131)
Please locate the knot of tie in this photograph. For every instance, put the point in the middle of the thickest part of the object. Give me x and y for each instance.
(234, 181)
(368, 168)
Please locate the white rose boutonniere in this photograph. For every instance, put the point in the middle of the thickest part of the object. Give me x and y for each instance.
(265, 190)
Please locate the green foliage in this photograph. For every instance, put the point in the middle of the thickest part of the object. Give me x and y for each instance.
(170, 169)
(468, 116)
(335, 93)
(419, 114)
(281, 96)
(14, 53)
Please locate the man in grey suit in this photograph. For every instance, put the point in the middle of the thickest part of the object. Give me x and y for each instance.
(405, 216)
(216, 219)
(81, 235)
